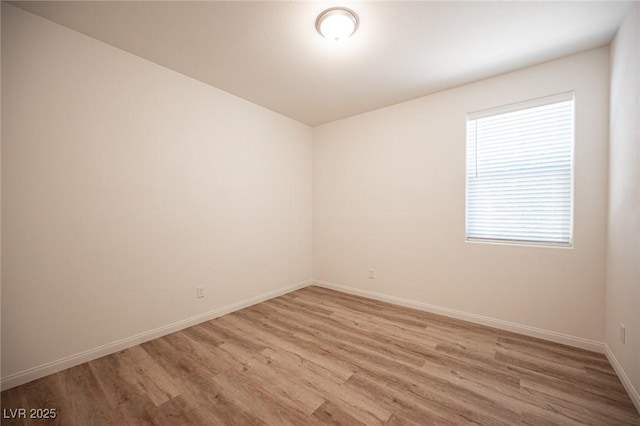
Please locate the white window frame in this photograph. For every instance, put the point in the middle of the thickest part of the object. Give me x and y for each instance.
(547, 100)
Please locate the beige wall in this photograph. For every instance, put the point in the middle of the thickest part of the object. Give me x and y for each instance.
(125, 185)
(389, 194)
(623, 248)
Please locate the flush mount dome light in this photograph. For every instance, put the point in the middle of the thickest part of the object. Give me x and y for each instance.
(337, 23)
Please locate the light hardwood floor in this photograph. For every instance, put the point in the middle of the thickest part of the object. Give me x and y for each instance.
(317, 356)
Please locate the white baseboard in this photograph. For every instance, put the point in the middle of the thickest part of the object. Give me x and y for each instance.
(626, 382)
(109, 348)
(37, 372)
(552, 336)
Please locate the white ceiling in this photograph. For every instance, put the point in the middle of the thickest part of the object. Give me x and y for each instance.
(270, 53)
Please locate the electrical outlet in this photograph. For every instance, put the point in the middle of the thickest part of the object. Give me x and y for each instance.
(372, 274)
(622, 333)
(200, 292)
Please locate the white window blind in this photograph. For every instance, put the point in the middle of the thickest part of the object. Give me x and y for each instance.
(520, 172)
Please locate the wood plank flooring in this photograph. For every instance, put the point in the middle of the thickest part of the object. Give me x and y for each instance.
(317, 356)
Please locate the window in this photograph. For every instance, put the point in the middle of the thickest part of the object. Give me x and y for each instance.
(520, 172)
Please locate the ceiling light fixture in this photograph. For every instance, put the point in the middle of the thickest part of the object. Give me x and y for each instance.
(337, 23)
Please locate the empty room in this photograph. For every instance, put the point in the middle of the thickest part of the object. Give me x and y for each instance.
(318, 212)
